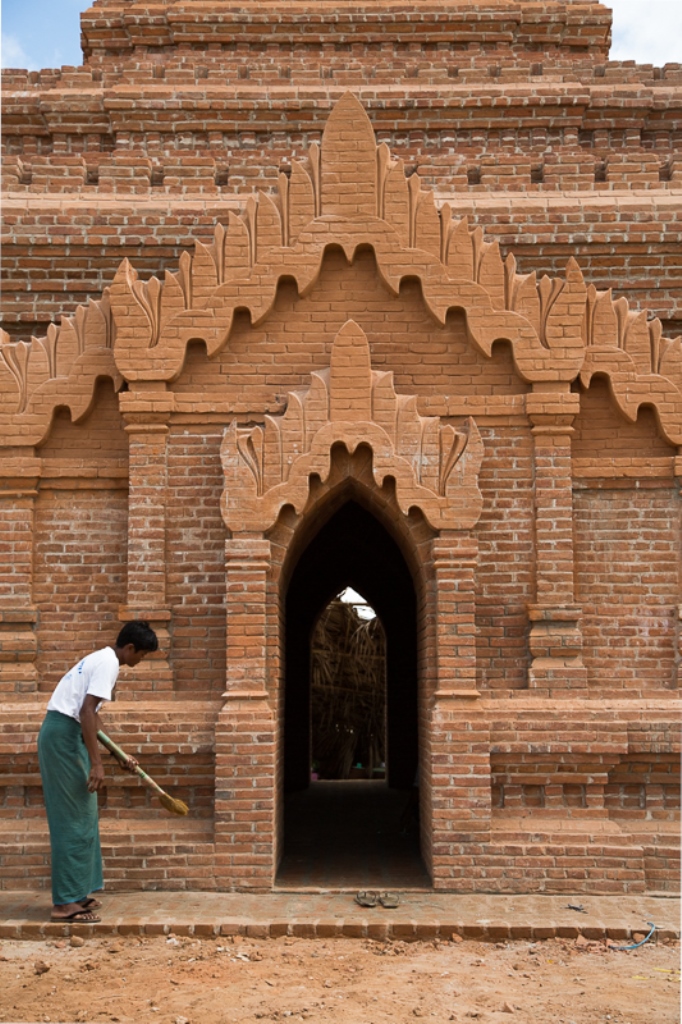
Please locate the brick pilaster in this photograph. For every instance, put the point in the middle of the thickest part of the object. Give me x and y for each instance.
(18, 647)
(456, 798)
(248, 565)
(458, 793)
(555, 639)
(678, 630)
(455, 555)
(246, 776)
(146, 418)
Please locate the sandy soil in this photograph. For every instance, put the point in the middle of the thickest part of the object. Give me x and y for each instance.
(175, 980)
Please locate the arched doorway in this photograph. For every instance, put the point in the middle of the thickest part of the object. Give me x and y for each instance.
(351, 549)
(345, 488)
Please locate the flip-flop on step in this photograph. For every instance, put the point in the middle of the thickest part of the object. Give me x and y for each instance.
(90, 903)
(367, 898)
(390, 900)
(77, 917)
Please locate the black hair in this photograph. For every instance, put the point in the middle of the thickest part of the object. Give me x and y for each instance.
(140, 634)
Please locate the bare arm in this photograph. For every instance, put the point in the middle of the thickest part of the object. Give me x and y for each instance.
(90, 723)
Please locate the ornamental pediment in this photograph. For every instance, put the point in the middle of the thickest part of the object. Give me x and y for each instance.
(435, 466)
(350, 193)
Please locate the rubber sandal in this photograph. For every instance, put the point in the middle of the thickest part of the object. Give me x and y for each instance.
(367, 898)
(76, 917)
(390, 900)
(90, 903)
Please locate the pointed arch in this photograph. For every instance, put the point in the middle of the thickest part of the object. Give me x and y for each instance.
(352, 548)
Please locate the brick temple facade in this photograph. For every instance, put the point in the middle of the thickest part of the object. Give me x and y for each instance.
(382, 295)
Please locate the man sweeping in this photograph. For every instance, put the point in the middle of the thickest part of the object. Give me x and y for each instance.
(72, 771)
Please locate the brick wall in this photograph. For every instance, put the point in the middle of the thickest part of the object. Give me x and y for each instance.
(622, 536)
(143, 847)
(79, 575)
(540, 422)
(555, 150)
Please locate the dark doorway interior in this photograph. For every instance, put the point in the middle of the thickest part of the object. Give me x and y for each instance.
(349, 835)
(351, 549)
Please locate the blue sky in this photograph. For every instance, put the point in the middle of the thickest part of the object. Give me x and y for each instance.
(46, 34)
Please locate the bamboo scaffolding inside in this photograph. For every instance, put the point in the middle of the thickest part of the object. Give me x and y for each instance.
(348, 668)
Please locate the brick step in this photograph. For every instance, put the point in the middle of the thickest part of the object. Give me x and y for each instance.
(588, 855)
(174, 853)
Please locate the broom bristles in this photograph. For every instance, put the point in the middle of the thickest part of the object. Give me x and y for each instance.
(171, 804)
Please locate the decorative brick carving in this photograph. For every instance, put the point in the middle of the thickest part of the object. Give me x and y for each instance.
(60, 369)
(642, 366)
(322, 204)
(435, 467)
(557, 327)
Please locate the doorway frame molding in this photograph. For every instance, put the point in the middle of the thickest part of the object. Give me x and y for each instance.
(433, 468)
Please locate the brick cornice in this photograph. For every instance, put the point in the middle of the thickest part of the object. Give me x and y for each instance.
(557, 328)
(57, 109)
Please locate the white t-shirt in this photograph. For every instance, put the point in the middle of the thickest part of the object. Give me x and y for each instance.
(95, 674)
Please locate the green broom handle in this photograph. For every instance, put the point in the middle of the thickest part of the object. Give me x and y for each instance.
(122, 756)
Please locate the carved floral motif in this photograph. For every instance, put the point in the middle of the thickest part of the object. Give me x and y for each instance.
(349, 192)
(642, 366)
(59, 369)
(435, 466)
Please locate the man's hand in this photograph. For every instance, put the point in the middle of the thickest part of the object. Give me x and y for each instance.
(96, 777)
(89, 726)
(130, 764)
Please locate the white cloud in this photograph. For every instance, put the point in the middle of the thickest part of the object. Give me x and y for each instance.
(41, 33)
(648, 31)
(12, 54)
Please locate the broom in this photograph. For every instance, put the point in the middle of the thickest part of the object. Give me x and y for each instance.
(169, 802)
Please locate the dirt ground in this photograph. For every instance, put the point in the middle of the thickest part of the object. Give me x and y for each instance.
(179, 980)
